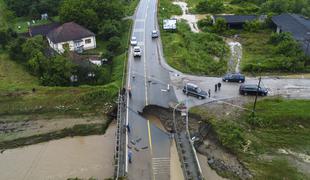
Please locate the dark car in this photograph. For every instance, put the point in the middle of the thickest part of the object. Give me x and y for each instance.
(252, 89)
(194, 90)
(234, 77)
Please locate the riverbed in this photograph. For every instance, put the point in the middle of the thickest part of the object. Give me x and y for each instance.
(83, 157)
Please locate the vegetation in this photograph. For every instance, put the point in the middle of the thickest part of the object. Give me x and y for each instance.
(25, 68)
(278, 124)
(250, 6)
(199, 53)
(264, 51)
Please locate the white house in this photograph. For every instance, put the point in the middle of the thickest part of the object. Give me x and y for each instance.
(71, 35)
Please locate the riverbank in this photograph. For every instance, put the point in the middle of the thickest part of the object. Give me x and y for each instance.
(273, 145)
(83, 157)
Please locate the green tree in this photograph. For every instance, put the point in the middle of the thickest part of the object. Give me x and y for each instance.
(16, 50)
(33, 45)
(79, 11)
(220, 25)
(37, 64)
(58, 72)
(109, 29)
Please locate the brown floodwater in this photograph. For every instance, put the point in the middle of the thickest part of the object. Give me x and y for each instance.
(84, 157)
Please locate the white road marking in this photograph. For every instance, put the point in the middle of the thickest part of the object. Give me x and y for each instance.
(138, 30)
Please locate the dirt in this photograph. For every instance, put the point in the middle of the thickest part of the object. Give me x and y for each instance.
(10, 130)
(222, 160)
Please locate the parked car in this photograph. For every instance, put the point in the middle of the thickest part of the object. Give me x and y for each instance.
(154, 34)
(252, 89)
(133, 41)
(137, 51)
(234, 77)
(194, 90)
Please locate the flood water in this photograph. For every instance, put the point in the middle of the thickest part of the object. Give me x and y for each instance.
(83, 157)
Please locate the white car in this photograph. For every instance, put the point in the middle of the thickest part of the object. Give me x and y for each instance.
(137, 51)
(133, 41)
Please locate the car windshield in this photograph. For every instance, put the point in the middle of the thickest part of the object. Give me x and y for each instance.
(137, 50)
(133, 38)
(198, 90)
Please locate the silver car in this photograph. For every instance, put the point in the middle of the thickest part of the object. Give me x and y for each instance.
(154, 34)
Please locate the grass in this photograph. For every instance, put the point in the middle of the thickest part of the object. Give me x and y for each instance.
(255, 47)
(229, 8)
(195, 53)
(23, 23)
(3, 14)
(279, 124)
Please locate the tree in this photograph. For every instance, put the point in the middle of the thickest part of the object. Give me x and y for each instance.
(220, 25)
(58, 72)
(37, 64)
(6, 35)
(33, 46)
(109, 29)
(79, 11)
(16, 50)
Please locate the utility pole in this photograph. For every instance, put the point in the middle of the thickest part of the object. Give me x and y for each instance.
(258, 86)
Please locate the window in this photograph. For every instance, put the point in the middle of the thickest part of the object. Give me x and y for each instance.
(87, 41)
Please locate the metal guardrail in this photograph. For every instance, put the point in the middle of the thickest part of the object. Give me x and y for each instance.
(120, 156)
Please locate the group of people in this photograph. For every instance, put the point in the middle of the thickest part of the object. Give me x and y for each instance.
(217, 87)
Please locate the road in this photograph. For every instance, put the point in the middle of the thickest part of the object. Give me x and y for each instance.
(148, 81)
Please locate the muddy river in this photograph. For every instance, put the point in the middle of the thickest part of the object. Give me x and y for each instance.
(84, 157)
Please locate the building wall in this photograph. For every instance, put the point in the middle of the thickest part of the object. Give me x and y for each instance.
(59, 46)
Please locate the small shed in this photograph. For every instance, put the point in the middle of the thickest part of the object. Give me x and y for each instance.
(235, 21)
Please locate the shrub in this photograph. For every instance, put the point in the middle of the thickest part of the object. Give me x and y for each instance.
(220, 25)
(210, 6)
(252, 26)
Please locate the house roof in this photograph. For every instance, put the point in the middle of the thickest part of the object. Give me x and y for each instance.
(69, 32)
(231, 19)
(296, 24)
(42, 29)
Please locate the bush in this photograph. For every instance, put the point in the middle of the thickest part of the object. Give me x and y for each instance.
(220, 25)
(276, 38)
(210, 6)
(252, 26)
(205, 24)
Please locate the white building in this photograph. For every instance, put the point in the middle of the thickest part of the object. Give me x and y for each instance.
(73, 36)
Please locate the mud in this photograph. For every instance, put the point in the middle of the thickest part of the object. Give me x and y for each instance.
(83, 157)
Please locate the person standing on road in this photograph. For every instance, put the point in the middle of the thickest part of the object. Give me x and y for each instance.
(129, 92)
(209, 93)
(128, 128)
(219, 85)
(215, 87)
(130, 156)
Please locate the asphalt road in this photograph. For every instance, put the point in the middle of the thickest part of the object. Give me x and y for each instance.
(148, 81)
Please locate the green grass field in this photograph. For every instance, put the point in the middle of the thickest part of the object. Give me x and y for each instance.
(279, 124)
(194, 53)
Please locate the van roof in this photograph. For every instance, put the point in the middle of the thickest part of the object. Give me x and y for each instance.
(191, 84)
